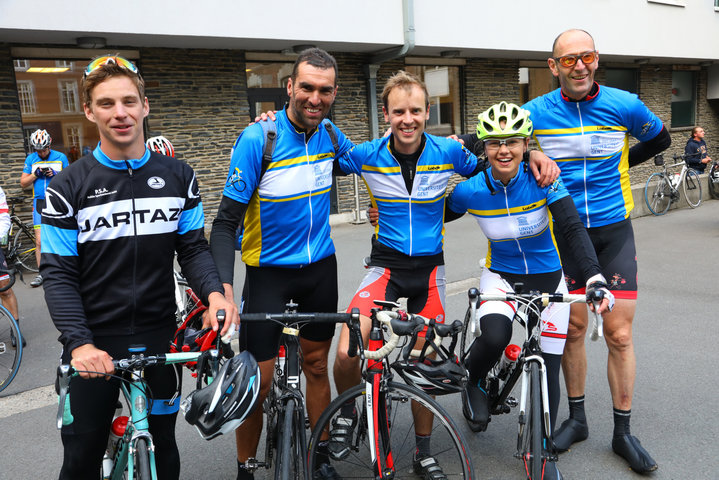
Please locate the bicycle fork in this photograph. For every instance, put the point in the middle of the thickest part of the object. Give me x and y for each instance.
(377, 420)
(544, 390)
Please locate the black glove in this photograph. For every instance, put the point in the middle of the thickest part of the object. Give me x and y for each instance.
(39, 173)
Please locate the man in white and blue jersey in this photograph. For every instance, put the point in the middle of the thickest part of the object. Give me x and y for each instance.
(585, 128)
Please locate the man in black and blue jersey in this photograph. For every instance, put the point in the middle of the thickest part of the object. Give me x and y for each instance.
(584, 127)
(111, 224)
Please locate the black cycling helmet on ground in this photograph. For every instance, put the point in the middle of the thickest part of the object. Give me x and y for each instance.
(223, 405)
(434, 377)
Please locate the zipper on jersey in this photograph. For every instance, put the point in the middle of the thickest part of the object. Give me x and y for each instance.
(519, 245)
(134, 258)
(309, 199)
(584, 178)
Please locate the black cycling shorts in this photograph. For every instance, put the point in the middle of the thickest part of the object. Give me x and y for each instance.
(617, 255)
(268, 290)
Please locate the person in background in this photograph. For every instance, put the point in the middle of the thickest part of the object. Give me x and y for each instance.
(695, 153)
(40, 167)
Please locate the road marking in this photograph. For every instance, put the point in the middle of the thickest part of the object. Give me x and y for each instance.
(28, 400)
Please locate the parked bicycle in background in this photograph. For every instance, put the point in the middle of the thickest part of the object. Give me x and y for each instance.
(662, 188)
(713, 179)
(10, 346)
(19, 246)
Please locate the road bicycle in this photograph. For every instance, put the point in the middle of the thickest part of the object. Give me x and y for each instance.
(20, 248)
(185, 299)
(381, 443)
(535, 446)
(134, 456)
(714, 179)
(10, 340)
(284, 407)
(662, 188)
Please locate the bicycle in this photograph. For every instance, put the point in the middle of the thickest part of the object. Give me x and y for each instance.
(381, 443)
(20, 249)
(185, 299)
(661, 195)
(534, 440)
(714, 179)
(10, 340)
(284, 406)
(134, 456)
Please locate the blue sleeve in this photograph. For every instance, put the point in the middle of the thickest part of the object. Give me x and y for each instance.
(28, 165)
(65, 162)
(641, 122)
(344, 143)
(245, 164)
(457, 200)
(464, 161)
(556, 191)
(352, 160)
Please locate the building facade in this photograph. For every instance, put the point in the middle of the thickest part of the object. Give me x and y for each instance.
(208, 71)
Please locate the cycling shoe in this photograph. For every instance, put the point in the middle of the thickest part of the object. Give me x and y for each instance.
(630, 449)
(326, 472)
(428, 468)
(475, 408)
(569, 432)
(551, 472)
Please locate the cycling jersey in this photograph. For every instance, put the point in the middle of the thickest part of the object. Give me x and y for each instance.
(109, 233)
(55, 160)
(288, 204)
(589, 141)
(409, 222)
(515, 220)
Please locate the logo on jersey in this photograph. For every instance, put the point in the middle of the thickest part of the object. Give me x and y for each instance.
(364, 294)
(646, 127)
(101, 192)
(605, 144)
(56, 206)
(155, 183)
(322, 179)
(555, 186)
(193, 190)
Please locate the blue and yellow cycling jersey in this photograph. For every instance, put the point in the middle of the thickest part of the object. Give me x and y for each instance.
(55, 160)
(589, 140)
(288, 205)
(409, 222)
(515, 219)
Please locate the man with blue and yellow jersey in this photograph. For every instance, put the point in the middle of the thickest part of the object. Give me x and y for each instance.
(284, 208)
(40, 167)
(585, 127)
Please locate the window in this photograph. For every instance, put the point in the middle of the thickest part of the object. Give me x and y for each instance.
(65, 64)
(68, 96)
(267, 85)
(26, 95)
(684, 98)
(624, 78)
(73, 141)
(21, 65)
(444, 102)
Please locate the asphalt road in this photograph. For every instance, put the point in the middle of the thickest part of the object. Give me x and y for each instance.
(674, 401)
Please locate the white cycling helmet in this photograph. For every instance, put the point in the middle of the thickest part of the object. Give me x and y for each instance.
(160, 145)
(40, 139)
(223, 405)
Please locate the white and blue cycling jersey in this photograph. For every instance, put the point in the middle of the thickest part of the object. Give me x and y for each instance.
(288, 203)
(514, 218)
(589, 140)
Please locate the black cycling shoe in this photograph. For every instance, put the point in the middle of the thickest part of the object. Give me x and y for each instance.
(475, 408)
(569, 432)
(13, 340)
(428, 468)
(339, 445)
(326, 472)
(551, 472)
(630, 449)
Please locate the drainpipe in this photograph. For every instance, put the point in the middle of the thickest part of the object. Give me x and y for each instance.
(370, 71)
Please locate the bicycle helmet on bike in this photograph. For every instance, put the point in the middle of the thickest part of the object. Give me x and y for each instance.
(434, 377)
(224, 404)
(160, 145)
(40, 139)
(517, 122)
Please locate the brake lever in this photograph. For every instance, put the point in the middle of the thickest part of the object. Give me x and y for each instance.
(598, 324)
(475, 327)
(64, 415)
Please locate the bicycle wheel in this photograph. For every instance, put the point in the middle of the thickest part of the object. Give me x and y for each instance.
(142, 460)
(532, 433)
(292, 454)
(658, 197)
(467, 336)
(10, 348)
(714, 180)
(692, 188)
(24, 246)
(447, 444)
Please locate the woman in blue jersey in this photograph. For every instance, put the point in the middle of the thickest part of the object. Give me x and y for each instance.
(515, 215)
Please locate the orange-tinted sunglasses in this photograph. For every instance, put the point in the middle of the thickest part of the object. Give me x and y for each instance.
(568, 61)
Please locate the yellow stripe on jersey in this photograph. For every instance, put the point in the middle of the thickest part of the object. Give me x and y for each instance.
(435, 168)
(252, 233)
(288, 162)
(369, 168)
(503, 211)
(304, 195)
(624, 179)
(579, 130)
(574, 159)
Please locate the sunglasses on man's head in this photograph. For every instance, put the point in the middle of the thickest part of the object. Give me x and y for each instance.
(110, 60)
(569, 61)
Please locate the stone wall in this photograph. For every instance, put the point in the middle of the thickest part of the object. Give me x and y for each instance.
(12, 150)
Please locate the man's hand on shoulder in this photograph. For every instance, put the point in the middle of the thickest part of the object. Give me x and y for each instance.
(456, 139)
(544, 169)
(270, 114)
(91, 362)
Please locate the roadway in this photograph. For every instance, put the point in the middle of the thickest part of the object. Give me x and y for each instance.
(673, 411)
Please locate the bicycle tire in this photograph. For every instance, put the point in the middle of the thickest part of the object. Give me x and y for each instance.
(284, 455)
(692, 188)
(24, 248)
(467, 338)
(714, 181)
(533, 436)
(448, 445)
(10, 350)
(299, 446)
(142, 460)
(658, 197)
